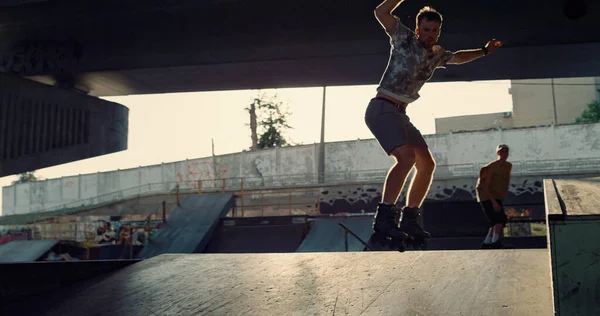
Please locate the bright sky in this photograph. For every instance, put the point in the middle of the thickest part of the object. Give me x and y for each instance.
(179, 126)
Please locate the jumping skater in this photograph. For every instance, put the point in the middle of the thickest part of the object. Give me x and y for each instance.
(492, 187)
(413, 59)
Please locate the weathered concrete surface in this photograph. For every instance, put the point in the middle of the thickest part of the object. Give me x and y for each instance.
(490, 282)
(25, 250)
(533, 151)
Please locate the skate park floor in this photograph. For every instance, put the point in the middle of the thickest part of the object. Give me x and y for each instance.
(470, 282)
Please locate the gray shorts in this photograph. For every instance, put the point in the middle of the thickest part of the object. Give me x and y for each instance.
(391, 126)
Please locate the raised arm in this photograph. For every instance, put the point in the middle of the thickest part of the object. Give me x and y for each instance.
(467, 55)
(383, 13)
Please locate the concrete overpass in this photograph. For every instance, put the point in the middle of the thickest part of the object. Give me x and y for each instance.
(107, 48)
(116, 47)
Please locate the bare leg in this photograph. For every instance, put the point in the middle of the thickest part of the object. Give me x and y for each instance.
(394, 182)
(421, 182)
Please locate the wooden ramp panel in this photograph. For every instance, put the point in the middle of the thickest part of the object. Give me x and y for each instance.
(191, 226)
(488, 282)
(573, 217)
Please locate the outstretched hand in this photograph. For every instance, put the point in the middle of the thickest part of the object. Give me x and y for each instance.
(493, 45)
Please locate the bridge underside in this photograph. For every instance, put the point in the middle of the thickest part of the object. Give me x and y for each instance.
(115, 47)
(110, 48)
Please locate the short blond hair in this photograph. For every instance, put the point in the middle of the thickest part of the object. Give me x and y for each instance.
(430, 14)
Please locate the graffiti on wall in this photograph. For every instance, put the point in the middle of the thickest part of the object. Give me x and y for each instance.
(8, 235)
(364, 198)
(105, 232)
(32, 57)
(122, 232)
(526, 189)
(199, 171)
(349, 199)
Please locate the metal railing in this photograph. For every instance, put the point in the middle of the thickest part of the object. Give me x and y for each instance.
(347, 231)
(291, 200)
(555, 166)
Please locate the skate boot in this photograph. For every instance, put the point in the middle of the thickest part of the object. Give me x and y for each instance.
(386, 234)
(411, 222)
(380, 242)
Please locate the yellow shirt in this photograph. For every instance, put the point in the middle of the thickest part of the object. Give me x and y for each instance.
(500, 172)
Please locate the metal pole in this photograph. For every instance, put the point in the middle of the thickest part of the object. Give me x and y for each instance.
(554, 102)
(347, 230)
(346, 240)
(242, 196)
(322, 144)
(214, 160)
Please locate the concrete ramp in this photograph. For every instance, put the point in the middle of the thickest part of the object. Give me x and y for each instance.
(573, 212)
(480, 282)
(326, 235)
(190, 227)
(25, 250)
(255, 235)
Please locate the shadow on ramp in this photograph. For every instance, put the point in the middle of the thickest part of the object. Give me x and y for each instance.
(23, 280)
(326, 234)
(191, 226)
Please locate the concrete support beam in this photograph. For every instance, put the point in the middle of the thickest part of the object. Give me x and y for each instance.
(42, 126)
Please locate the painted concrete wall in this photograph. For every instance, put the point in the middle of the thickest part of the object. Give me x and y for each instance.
(533, 151)
(450, 208)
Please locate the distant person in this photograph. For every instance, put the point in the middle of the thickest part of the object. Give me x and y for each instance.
(492, 187)
(414, 56)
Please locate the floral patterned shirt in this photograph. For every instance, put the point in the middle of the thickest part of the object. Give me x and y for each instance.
(410, 65)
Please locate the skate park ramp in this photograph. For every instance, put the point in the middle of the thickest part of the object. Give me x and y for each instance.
(191, 226)
(258, 235)
(472, 282)
(326, 235)
(25, 250)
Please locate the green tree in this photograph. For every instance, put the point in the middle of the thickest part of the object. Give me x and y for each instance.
(591, 114)
(268, 118)
(26, 177)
